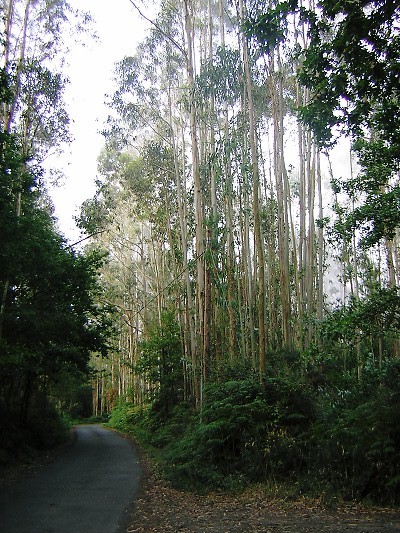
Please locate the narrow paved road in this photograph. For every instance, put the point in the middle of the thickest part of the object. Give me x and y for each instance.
(85, 490)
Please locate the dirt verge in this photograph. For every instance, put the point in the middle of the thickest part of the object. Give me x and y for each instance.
(162, 509)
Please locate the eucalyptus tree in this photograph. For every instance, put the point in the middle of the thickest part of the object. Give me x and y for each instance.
(202, 310)
(348, 67)
(32, 55)
(34, 110)
(362, 52)
(360, 101)
(300, 249)
(126, 218)
(259, 258)
(150, 99)
(271, 73)
(157, 96)
(217, 84)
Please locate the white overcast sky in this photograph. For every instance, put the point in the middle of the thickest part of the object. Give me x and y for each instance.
(119, 28)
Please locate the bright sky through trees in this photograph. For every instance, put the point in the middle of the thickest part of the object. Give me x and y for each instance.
(90, 70)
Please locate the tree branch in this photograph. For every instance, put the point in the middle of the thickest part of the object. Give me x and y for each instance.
(177, 45)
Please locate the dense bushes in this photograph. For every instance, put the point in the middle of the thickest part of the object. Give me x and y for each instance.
(43, 429)
(246, 433)
(125, 417)
(281, 431)
(356, 439)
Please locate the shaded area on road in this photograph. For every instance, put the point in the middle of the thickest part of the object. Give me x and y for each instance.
(85, 490)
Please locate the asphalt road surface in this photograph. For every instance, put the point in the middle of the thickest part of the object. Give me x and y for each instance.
(85, 490)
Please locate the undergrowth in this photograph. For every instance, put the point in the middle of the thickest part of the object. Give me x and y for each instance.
(43, 429)
(281, 433)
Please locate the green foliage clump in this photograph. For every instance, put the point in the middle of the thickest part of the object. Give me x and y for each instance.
(43, 429)
(355, 443)
(246, 432)
(123, 416)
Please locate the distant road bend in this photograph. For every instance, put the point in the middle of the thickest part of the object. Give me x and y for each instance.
(85, 490)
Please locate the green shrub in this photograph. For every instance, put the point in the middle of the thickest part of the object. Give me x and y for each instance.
(344, 438)
(124, 416)
(355, 442)
(246, 432)
(43, 429)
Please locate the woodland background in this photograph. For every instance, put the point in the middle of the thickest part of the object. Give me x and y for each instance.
(236, 304)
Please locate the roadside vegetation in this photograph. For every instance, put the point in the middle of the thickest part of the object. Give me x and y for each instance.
(332, 442)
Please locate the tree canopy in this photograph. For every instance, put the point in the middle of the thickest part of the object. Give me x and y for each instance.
(51, 318)
(350, 65)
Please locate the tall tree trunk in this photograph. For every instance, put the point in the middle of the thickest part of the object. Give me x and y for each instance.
(282, 186)
(198, 197)
(229, 214)
(311, 256)
(190, 304)
(256, 204)
(321, 245)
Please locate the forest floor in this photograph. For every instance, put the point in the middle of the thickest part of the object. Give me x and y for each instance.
(161, 509)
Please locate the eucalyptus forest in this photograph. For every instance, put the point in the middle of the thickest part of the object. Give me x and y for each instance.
(235, 303)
